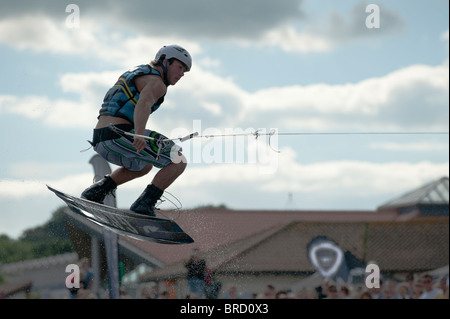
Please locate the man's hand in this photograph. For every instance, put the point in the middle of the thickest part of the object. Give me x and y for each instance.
(139, 143)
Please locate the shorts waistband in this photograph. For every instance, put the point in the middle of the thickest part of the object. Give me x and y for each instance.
(105, 133)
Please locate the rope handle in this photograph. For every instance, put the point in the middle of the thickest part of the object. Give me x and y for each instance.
(181, 139)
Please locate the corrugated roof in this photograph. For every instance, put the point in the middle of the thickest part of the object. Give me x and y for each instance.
(409, 246)
(395, 246)
(436, 192)
(212, 228)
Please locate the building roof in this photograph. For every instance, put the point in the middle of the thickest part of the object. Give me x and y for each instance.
(435, 192)
(39, 263)
(394, 246)
(212, 228)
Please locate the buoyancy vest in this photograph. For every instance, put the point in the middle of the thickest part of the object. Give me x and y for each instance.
(121, 99)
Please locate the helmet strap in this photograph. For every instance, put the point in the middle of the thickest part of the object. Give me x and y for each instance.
(164, 68)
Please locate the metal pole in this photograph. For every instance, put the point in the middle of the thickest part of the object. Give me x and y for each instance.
(101, 168)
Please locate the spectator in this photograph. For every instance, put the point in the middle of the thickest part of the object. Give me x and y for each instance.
(269, 293)
(403, 290)
(429, 292)
(196, 274)
(323, 289)
(232, 293)
(86, 275)
(332, 291)
(389, 290)
(145, 293)
(410, 280)
(86, 294)
(311, 293)
(192, 295)
(123, 293)
(164, 295)
(443, 285)
(344, 292)
(365, 295)
(212, 286)
(377, 292)
(357, 290)
(281, 294)
(307, 293)
(150, 292)
(417, 290)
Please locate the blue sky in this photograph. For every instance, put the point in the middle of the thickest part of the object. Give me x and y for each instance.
(294, 66)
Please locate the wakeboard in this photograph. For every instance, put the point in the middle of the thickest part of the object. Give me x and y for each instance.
(125, 222)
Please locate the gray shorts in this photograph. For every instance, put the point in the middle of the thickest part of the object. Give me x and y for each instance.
(121, 152)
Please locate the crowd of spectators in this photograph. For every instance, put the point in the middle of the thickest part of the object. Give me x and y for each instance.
(413, 287)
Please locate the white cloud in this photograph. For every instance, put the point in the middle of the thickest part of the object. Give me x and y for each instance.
(209, 63)
(352, 184)
(337, 28)
(41, 34)
(326, 32)
(34, 107)
(263, 24)
(417, 146)
(385, 100)
(349, 178)
(289, 39)
(14, 189)
(26, 169)
(213, 108)
(444, 36)
(415, 97)
(52, 112)
(23, 188)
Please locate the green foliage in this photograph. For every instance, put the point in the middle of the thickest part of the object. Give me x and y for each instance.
(42, 241)
(211, 206)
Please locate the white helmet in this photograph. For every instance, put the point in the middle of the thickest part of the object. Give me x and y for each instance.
(177, 52)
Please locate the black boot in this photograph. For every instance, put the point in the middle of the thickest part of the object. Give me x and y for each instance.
(98, 191)
(145, 204)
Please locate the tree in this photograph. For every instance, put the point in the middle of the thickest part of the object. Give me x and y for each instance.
(49, 239)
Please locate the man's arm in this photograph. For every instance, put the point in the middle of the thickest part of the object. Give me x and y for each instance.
(151, 92)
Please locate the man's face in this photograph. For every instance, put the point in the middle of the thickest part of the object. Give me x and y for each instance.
(175, 72)
(427, 283)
